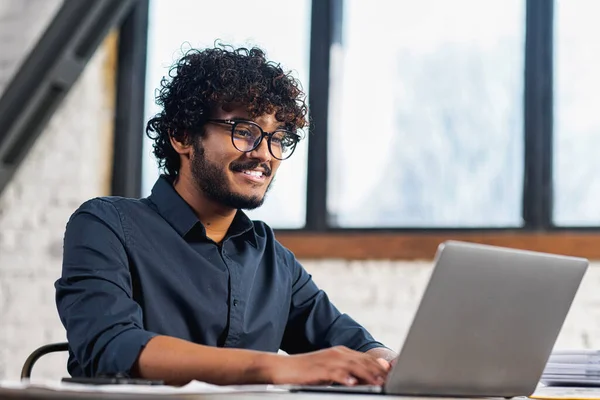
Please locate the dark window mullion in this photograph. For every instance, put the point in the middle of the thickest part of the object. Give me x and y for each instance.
(318, 92)
(129, 113)
(538, 117)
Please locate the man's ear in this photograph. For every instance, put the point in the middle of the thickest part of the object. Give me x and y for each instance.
(182, 144)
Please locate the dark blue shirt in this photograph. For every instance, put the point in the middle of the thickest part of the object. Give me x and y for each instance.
(137, 268)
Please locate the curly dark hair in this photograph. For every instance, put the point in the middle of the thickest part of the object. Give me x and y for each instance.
(204, 79)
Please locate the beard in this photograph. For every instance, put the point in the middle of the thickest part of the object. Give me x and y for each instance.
(212, 180)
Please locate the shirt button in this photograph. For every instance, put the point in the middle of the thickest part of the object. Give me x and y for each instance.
(235, 303)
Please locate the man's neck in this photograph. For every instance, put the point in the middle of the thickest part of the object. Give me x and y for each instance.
(215, 218)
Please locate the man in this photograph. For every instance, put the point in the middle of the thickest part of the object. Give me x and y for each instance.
(182, 285)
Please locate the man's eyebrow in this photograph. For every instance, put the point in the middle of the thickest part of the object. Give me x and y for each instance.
(280, 125)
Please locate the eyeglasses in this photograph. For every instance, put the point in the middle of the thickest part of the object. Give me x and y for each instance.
(247, 136)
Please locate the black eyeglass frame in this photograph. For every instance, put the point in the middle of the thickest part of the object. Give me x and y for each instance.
(233, 123)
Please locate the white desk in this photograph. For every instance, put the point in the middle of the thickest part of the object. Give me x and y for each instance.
(39, 394)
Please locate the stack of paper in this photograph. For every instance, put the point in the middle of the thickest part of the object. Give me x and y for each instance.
(566, 393)
(572, 368)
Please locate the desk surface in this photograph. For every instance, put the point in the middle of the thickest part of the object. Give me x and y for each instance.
(38, 394)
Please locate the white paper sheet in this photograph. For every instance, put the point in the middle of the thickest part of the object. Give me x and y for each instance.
(194, 387)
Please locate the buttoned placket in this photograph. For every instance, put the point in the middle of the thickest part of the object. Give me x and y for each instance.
(236, 306)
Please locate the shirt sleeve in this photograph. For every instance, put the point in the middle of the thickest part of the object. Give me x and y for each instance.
(314, 323)
(94, 299)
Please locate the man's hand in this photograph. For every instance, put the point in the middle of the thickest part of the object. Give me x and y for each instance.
(335, 365)
(385, 356)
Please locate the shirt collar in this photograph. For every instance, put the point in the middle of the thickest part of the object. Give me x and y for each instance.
(178, 213)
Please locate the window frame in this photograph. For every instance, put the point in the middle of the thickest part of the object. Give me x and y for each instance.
(320, 239)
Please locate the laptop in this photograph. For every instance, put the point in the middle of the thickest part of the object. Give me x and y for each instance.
(485, 326)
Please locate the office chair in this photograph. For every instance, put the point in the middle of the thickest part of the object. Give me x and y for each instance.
(38, 353)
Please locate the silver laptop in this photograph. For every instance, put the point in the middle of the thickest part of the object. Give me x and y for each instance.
(486, 324)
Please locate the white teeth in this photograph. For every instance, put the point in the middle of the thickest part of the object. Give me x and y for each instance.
(258, 174)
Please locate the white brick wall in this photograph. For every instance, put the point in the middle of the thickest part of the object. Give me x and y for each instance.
(66, 166)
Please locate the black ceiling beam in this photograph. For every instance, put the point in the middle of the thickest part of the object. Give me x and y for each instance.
(49, 72)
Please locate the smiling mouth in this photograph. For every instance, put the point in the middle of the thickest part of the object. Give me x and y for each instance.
(253, 176)
(257, 174)
(252, 172)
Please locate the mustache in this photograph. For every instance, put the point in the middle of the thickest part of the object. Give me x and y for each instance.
(239, 167)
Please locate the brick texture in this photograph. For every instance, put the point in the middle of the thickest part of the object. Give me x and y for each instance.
(65, 167)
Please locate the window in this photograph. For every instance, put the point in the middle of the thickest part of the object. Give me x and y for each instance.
(576, 116)
(426, 119)
(430, 120)
(283, 32)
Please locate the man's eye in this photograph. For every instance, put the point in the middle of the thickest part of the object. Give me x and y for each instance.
(283, 139)
(242, 133)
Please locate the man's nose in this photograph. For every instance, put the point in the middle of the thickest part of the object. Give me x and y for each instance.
(261, 152)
